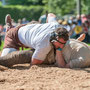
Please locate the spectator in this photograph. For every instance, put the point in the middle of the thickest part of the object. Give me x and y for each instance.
(79, 21)
(78, 30)
(24, 21)
(43, 18)
(19, 22)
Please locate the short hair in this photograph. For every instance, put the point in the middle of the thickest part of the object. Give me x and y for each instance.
(59, 33)
(62, 33)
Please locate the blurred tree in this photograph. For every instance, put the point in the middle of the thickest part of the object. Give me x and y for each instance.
(59, 7)
(24, 2)
(62, 7)
(85, 4)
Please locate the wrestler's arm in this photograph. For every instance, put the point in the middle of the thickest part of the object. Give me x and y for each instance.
(60, 59)
(40, 53)
(37, 57)
(82, 37)
(36, 61)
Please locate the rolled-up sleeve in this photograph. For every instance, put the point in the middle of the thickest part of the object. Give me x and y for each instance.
(41, 53)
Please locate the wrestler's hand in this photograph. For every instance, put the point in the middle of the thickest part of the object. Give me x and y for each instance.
(58, 45)
(82, 37)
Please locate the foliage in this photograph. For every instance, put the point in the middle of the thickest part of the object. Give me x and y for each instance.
(19, 12)
(85, 4)
(0, 4)
(24, 2)
(32, 9)
(62, 7)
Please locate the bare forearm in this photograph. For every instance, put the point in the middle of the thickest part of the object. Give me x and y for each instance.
(59, 59)
(82, 37)
(36, 61)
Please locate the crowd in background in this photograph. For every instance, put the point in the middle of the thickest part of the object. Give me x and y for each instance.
(76, 25)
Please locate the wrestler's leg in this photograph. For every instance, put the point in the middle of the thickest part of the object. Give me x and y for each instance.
(17, 57)
(6, 51)
(82, 37)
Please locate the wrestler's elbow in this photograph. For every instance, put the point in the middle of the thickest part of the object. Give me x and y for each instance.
(36, 61)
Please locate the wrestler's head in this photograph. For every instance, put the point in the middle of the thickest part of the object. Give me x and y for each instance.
(59, 37)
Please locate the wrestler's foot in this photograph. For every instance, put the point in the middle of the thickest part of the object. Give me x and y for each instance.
(8, 22)
(82, 37)
(8, 19)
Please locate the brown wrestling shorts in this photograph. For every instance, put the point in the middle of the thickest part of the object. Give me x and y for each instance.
(11, 38)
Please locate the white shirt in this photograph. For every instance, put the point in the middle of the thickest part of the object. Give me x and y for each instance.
(76, 53)
(37, 36)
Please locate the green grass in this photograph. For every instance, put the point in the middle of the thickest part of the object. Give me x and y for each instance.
(89, 44)
(1, 47)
